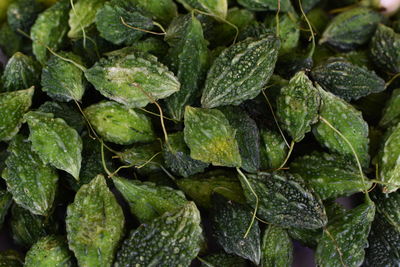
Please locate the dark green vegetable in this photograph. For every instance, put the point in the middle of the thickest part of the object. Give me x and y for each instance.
(11, 258)
(277, 248)
(21, 14)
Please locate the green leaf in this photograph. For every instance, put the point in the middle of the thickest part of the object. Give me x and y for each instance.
(82, 15)
(177, 158)
(210, 137)
(119, 124)
(95, 223)
(55, 142)
(230, 224)
(148, 201)
(109, 22)
(284, 200)
(240, 72)
(218, 8)
(50, 251)
(188, 58)
(50, 30)
(13, 107)
(345, 238)
(348, 121)
(277, 248)
(32, 183)
(265, 5)
(21, 72)
(134, 79)
(173, 239)
(331, 176)
(351, 28)
(62, 80)
(11, 258)
(297, 106)
(5, 203)
(273, 149)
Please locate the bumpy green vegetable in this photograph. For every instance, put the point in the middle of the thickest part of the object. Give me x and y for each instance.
(5, 203)
(345, 238)
(348, 121)
(32, 183)
(94, 224)
(21, 14)
(210, 137)
(171, 240)
(188, 58)
(222, 260)
(273, 149)
(13, 107)
(50, 30)
(62, 80)
(388, 206)
(218, 8)
(284, 200)
(50, 251)
(11, 258)
(148, 201)
(110, 20)
(240, 72)
(389, 165)
(162, 11)
(289, 32)
(10, 41)
(119, 124)
(177, 158)
(55, 142)
(298, 106)
(351, 28)
(134, 79)
(385, 49)
(20, 73)
(347, 80)
(330, 175)
(277, 248)
(391, 112)
(264, 5)
(230, 222)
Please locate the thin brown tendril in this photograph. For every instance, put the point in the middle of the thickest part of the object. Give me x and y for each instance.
(139, 29)
(336, 246)
(288, 155)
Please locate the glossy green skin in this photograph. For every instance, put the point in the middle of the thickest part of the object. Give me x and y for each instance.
(21, 14)
(200, 188)
(13, 107)
(347, 80)
(177, 157)
(21, 72)
(240, 71)
(28, 228)
(384, 245)
(148, 201)
(230, 223)
(222, 260)
(126, 78)
(163, 11)
(389, 166)
(45, 132)
(151, 45)
(50, 251)
(349, 122)
(140, 155)
(219, 8)
(273, 150)
(385, 49)
(95, 224)
(330, 175)
(345, 238)
(11, 258)
(284, 200)
(210, 137)
(247, 137)
(277, 248)
(297, 106)
(66, 112)
(82, 16)
(265, 5)
(10, 41)
(50, 30)
(188, 58)
(111, 28)
(388, 206)
(5, 203)
(391, 112)
(62, 80)
(119, 124)
(173, 239)
(351, 28)
(32, 183)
